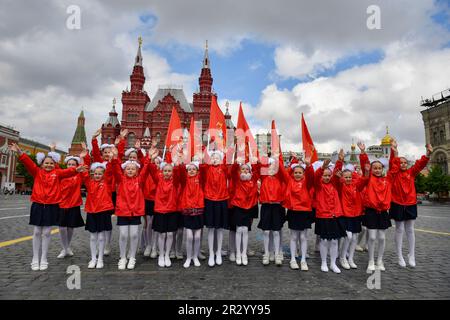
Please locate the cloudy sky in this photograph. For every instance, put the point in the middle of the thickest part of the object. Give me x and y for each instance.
(280, 58)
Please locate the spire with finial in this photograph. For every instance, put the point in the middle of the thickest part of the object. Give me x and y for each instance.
(206, 57)
(387, 138)
(138, 60)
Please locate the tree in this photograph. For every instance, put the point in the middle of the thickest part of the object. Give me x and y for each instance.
(438, 182)
(421, 183)
(22, 171)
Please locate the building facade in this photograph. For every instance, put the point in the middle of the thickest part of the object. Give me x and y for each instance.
(436, 119)
(8, 160)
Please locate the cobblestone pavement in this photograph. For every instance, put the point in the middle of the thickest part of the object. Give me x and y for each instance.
(429, 280)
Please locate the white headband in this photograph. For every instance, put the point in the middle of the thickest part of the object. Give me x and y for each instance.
(295, 165)
(105, 145)
(193, 163)
(349, 167)
(216, 152)
(77, 159)
(248, 165)
(40, 156)
(127, 153)
(96, 165)
(383, 161)
(163, 164)
(128, 162)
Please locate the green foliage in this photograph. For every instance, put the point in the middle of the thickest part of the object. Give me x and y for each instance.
(437, 181)
(420, 183)
(22, 171)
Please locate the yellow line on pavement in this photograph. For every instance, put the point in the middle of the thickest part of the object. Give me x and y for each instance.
(11, 242)
(433, 232)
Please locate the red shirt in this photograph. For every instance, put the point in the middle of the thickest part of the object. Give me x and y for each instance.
(298, 193)
(244, 193)
(215, 180)
(98, 197)
(166, 196)
(272, 187)
(71, 192)
(47, 184)
(327, 198)
(191, 191)
(403, 188)
(130, 198)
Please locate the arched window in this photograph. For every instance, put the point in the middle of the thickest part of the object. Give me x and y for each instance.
(442, 136)
(441, 160)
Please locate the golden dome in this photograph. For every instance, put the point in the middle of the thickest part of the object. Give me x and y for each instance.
(387, 138)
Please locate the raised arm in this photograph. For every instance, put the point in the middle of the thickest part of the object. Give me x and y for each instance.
(363, 158)
(96, 154)
(422, 162)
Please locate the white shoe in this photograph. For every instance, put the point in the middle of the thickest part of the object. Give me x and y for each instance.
(172, 255)
(92, 264)
(131, 263)
(380, 266)
(62, 254)
(197, 262)
(294, 265)
(271, 257)
(366, 248)
(153, 254)
(161, 261)
(278, 260)
(324, 268)
(352, 264)
(122, 264)
(167, 261)
(401, 262)
(244, 260)
(238, 260)
(211, 261)
(218, 259)
(250, 253)
(99, 264)
(344, 264)
(35, 266)
(232, 257)
(43, 266)
(107, 250)
(179, 256)
(411, 261)
(224, 253)
(359, 248)
(303, 266)
(371, 267)
(187, 264)
(266, 259)
(335, 269)
(69, 252)
(147, 251)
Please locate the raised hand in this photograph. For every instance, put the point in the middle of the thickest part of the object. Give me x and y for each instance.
(115, 152)
(15, 148)
(429, 149)
(307, 160)
(137, 144)
(117, 141)
(97, 133)
(154, 143)
(83, 145)
(338, 173)
(361, 146)
(367, 169)
(394, 146)
(82, 168)
(341, 155)
(326, 163)
(123, 133)
(52, 146)
(83, 154)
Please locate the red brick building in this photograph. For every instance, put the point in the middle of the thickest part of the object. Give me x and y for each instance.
(7, 158)
(145, 117)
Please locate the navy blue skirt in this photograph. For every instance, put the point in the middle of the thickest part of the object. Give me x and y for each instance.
(98, 222)
(44, 215)
(231, 220)
(149, 207)
(351, 224)
(299, 220)
(376, 220)
(399, 212)
(193, 222)
(70, 218)
(165, 222)
(312, 215)
(243, 217)
(216, 214)
(128, 221)
(329, 228)
(272, 217)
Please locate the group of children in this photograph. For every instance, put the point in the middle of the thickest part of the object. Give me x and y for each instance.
(175, 196)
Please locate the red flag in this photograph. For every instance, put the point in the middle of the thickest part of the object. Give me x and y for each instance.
(275, 140)
(244, 129)
(191, 138)
(174, 132)
(217, 125)
(308, 143)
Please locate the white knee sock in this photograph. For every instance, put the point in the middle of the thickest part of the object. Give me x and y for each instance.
(154, 241)
(169, 241)
(293, 243)
(232, 242)
(238, 238)
(276, 242)
(381, 244)
(266, 241)
(197, 242)
(346, 243)
(69, 236)
(101, 245)
(45, 242)
(371, 243)
(134, 239)
(362, 238)
(219, 241)
(271, 248)
(352, 248)
(399, 229)
(303, 243)
(37, 240)
(93, 244)
(189, 242)
(179, 244)
(161, 243)
(123, 239)
(409, 227)
(108, 235)
(323, 251)
(334, 248)
(211, 241)
(244, 240)
(63, 236)
(149, 232)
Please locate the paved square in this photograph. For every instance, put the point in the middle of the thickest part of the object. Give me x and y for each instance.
(429, 280)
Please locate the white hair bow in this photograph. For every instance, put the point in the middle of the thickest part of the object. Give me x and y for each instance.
(77, 159)
(126, 163)
(40, 156)
(96, 165)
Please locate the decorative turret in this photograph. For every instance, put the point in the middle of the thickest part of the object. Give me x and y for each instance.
(111, 127)
(79, 136)
(137, 78)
